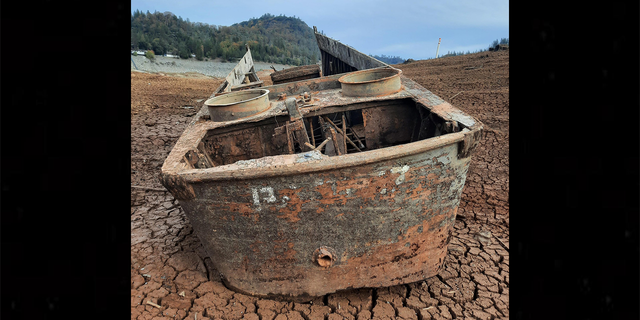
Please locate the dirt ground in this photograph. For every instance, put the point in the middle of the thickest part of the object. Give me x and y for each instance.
(172, 277)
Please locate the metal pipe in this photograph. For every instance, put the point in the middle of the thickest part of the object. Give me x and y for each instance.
(438, 49)
(134, 64)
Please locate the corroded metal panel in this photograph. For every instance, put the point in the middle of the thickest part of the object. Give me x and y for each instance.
(339, 58)
(384, 223)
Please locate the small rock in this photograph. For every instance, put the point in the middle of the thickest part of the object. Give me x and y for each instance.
(484, 237)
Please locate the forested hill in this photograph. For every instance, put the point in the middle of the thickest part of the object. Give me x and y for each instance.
(277, 39)
(389, 59)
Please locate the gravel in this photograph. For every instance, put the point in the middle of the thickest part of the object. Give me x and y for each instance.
(212, 68)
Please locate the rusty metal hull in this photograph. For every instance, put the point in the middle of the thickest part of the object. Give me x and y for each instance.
(280, 217)
(385, 223)
(305, 224)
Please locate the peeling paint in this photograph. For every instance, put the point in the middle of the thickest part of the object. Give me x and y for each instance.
(444, 159)
(267, 196)
(402, 170)
(256, 198)
(310, 156)
(270, 197)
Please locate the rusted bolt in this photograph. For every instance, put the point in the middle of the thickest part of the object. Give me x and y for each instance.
(324, 256)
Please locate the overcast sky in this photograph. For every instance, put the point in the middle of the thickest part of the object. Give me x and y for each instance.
(408, 29)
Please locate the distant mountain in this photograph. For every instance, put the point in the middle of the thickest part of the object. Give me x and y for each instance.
(388, 59)
(277, 39)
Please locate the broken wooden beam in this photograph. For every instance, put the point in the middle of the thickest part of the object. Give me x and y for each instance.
(320, 146)
(342, 133)
(313, 138)
(335, 141)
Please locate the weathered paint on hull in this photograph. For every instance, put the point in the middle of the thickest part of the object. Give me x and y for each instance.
(384, 223)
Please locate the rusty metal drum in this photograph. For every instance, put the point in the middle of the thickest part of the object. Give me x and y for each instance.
(371, 82)
(237, 105)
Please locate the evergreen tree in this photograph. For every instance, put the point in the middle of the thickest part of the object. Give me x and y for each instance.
(207, 48)
(199, 51)
(183, 51)
(157, 47)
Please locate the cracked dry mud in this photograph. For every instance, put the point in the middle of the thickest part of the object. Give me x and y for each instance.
(170, 270)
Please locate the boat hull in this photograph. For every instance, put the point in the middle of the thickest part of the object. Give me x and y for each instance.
(306, 234)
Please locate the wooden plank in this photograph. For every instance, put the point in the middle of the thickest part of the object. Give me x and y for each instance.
(237, 75)
(344, 134)
(247, 85)
(336, 144)
(313, 138)
(321, 110)
(344, 54)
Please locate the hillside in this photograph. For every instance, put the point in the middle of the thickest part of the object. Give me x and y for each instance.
(277, 39)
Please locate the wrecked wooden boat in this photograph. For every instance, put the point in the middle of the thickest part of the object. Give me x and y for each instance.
(343, 181)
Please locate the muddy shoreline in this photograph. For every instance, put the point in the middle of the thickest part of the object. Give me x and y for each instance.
(212, 68)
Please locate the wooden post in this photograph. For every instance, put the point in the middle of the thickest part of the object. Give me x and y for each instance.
(289, 143)
(344, 133)
(334, 138)
(313, 138)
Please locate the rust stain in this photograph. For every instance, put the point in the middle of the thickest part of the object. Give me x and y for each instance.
(292, 207)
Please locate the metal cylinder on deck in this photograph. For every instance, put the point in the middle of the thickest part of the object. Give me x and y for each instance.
(237, 105)
(371, 83)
